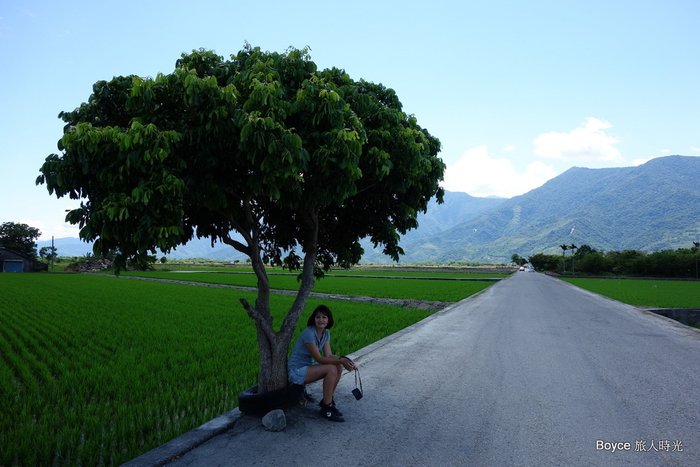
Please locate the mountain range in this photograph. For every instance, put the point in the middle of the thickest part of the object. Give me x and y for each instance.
(654, 206)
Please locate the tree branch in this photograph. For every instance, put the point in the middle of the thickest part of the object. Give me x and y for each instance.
(251, 233)
(307, 277)
(263, 324)
(238, 246)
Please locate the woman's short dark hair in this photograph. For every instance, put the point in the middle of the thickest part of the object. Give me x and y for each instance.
(321, 309)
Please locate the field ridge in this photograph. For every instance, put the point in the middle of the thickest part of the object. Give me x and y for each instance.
(432, 305)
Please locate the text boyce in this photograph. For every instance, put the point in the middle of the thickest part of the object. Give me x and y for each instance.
(612, 446)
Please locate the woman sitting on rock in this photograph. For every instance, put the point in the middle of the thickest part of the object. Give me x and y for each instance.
(312, 359)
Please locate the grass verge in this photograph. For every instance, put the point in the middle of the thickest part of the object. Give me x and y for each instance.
(646, 293)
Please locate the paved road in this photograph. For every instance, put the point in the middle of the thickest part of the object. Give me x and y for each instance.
(531, 372)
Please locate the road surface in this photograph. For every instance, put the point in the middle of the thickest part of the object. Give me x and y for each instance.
(532, 371)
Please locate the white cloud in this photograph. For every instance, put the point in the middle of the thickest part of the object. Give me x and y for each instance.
(55, 228)
(695, 149)
(588, 145)
(479, 174)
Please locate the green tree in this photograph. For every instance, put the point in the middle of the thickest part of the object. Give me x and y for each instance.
(19, 237)
(627, 262)
(584, 250)
(542, 262)
(518, 260)
(573, 248)
(563, 247)
(48, 253)
(287, 164)
(594, 263)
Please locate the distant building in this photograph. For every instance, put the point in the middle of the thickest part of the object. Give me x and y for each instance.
(12, 261)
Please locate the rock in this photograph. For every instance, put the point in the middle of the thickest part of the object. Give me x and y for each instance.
(275, 420)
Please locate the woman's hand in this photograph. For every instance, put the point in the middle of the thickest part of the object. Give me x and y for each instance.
(347, 363)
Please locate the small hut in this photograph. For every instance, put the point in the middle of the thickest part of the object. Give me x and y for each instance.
(13, 261)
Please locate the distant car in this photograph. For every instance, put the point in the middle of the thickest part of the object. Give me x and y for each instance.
(522, 268)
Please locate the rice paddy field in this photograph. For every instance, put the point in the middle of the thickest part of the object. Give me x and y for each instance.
(435, 286)
(95, 370)
(367, 271)
(645, 292)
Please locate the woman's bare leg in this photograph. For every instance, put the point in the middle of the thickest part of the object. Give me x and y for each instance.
(329, 373)
(339, 370)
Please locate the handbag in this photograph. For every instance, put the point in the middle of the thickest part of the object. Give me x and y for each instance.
(357, 392)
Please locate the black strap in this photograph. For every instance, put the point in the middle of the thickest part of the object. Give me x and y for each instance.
(358, 377)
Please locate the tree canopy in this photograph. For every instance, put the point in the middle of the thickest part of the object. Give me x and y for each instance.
(19, 237)
(286, 163)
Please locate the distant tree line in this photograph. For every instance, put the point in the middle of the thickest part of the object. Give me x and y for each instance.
(20, 238)
(682, 262)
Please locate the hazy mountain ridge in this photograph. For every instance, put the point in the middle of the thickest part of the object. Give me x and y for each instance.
(650, 207)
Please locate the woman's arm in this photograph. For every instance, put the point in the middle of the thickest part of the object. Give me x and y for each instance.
(345, 361)
(329, 358)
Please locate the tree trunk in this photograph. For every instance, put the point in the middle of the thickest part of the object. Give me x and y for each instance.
(273, 361)
(273, 346)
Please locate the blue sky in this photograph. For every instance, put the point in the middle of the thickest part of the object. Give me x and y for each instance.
(517, 91)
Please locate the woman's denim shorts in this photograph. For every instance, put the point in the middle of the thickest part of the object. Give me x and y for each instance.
(297, 375)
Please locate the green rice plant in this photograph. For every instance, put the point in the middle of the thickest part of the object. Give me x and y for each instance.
(96, 370)
(420, 273)
(436, 290)
(415, 289)
(388, 272)
(647, 293)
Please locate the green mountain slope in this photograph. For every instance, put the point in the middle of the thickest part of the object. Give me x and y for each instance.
(456, 209)
(651, 207)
